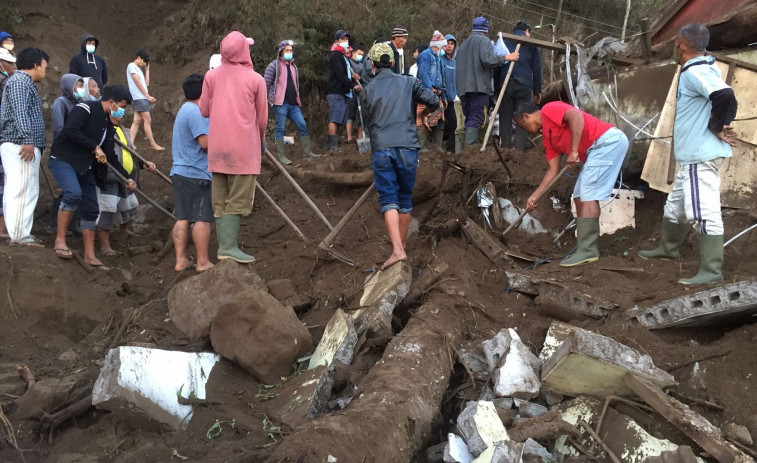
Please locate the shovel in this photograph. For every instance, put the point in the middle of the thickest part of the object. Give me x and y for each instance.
(363, 143)
(546, 189)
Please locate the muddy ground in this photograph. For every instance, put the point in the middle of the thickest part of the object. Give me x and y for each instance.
(60, 320)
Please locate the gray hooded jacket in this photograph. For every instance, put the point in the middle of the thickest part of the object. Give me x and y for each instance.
(475, 61)
(63, 105)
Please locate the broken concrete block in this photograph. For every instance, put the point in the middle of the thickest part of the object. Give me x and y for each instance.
(733, 301)
(193, 303)
(144, 383)
(435, 454)
(504, 403)
(523, 282)
(381, 295)
(501, 452)
(589, 363)
(338, 342)
(618, 212)
(570, 303)
(476, 362)
(533, 452)
(480, 426)
(738, 433)
(456, 451)
(691, 423)
(261, 335)
(529, 409)
(557, 333)
(303, 396)
(682, 454)
(491, 248)
(518, 374)
(552, 398)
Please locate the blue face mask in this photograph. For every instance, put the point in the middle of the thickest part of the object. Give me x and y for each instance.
(119, 112)
(288, 56)
(79, 93)
(440, 52)
(358, 58)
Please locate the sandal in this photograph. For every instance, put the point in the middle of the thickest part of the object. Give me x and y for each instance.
(102, 267)
(27, 244)
(110, 253)
(64, 253)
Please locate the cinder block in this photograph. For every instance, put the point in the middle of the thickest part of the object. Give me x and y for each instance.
(558, 332)
(561, 298)
(480, 426)
(456, 451)
(589, 363)
(523, 282)
(139, 382)
(712, 306)
(338, 342)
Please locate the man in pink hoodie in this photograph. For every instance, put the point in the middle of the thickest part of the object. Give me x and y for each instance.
(234, 99)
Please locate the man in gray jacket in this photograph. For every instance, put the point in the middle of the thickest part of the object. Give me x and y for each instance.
(475, 61)
(390, 122)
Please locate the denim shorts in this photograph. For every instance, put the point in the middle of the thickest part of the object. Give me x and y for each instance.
(337, 108)
(394, 173)
(603, 162)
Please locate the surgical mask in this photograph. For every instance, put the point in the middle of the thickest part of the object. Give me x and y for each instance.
(358, 58)
(79, 93)
(440, 52)
(345, 45)
(9, 46)
(90, 48)
(288, 56)
(119, 112)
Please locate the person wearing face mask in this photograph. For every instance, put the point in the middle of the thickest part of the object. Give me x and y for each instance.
(77, 160)
(357, 65)
(7, 68)
(430, 75)
(451, 112)
(91, 90)
(72, 92)
(6, 41)
(283, 86)
(21, 143)
(702, 140)
(87, 64)
(340, 87)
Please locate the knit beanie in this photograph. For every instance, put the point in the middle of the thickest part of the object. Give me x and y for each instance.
(437, 40)
(480, 24)
(399, 31)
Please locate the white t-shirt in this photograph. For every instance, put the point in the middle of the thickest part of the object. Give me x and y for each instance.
(136, 94)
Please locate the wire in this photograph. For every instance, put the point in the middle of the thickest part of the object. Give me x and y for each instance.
(570, 14)
(538, 13)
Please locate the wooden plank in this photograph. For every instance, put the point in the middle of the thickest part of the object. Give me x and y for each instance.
(727, 59)
(691, 423)
(559, 47)
(646, 40)
(744, 85)
(655, 170)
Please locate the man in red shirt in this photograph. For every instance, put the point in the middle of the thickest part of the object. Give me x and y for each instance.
(583, 138)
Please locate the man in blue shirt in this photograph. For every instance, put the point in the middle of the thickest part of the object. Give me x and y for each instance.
(191, 179)
(430, 75)
(702, 141)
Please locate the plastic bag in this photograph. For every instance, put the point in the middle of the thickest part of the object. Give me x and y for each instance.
(500, 49)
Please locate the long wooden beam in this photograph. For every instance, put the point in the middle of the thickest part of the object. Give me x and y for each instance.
(559, 47)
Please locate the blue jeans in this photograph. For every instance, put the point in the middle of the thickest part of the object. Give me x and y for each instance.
(293, 113)
(79, 192)
(394, 173)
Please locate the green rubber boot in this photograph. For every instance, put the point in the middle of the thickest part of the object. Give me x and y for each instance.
(458, 143)
(437, 139)
(671, 238)
(423, 139)
(306, 151)
(227, 227)
(710, 261)
(280, 149)
(471, 135)
(588, 250)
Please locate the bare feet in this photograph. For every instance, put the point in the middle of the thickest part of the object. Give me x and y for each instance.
(183, 264)
(110, 252)
(95, 263)
(203, 267)
(393, 259)
(157, 148)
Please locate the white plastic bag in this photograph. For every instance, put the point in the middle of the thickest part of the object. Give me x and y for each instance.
(500, 49)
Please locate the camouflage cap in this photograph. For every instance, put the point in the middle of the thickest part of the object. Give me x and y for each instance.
(380, 49)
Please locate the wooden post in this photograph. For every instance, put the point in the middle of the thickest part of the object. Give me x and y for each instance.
(493, 114)
(160, 174)
(625, 21)
(280, 212)
(646, 40)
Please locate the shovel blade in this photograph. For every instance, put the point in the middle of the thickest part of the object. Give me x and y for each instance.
(364, 145)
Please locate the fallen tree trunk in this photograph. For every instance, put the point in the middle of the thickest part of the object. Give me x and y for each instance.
(363, 178)
(391, 417)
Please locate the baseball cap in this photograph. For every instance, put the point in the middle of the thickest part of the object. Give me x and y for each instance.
(340, 33)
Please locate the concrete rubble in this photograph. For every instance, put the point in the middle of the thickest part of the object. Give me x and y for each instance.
(381, 294)
(303, 396)
(456, 450)
(518, 374)
(337, 343)
(529, 409)
(502, 452)
(143, 384)
(708, 307)
(569, 303)
(533, 449)
(480, 426)
(589, 363)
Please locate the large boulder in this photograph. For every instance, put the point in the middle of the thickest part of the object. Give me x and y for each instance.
(260, 334)
(193, 303)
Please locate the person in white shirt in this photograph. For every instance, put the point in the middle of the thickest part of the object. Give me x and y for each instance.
(138, 83)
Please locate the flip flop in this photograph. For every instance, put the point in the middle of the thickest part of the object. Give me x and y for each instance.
(27, 244)
(64, 253)
(102, 267)
(110, 253)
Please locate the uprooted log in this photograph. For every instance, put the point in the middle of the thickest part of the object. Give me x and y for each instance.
(362, 178)
(397, 401)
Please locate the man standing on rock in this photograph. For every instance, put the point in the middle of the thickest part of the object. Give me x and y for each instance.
(475, 61)
(87, 64)
(191, 179)
(705, 108)
(390, 122)
(234, 98)
(602, 147)
(22, 139)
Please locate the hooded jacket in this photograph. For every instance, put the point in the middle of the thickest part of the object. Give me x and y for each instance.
(275, 69)
(88, 64)
(338, 83)
(476, 58)
(63, 105)
(429, 69)
(526, 71)
(234, 99)
(449, 69)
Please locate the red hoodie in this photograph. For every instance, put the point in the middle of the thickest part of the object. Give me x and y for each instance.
(234, 98)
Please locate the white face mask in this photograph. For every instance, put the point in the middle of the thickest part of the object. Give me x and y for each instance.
(90, 48)
(8, 46)
(345, 45)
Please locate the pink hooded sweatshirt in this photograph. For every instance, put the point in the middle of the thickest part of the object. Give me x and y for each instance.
(234, 98)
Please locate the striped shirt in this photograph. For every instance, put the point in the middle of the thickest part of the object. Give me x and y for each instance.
(21, 112)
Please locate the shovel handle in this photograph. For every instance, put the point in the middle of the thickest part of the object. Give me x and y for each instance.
(546, 189)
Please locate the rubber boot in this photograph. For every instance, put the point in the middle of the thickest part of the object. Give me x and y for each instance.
(280, 149)
(437, 137)
(334, 143)
(306, 151)
(227, 227)
(471, 135)
(588, 250)
(710, 261)
(458, 143)
(423, 139)
(327, 142)
(672, 237)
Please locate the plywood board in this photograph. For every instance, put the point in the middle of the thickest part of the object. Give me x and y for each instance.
(744, 83)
